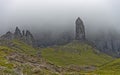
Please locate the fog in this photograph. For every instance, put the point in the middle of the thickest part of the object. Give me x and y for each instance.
(59, 15)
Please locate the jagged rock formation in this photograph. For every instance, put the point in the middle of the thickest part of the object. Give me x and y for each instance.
(27, 36)
(23, 33)
(17, 33)
(80, 30)
(8, 36)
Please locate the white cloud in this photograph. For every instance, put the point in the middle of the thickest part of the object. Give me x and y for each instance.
(59, 13)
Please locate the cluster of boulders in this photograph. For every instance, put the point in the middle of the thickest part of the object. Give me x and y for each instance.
(25, 36)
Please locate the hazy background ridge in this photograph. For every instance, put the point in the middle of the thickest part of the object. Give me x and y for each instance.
(59, 15)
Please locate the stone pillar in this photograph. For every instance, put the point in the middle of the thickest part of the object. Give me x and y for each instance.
(80, 30)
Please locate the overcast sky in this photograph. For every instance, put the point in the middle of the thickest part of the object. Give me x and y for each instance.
(59, 14)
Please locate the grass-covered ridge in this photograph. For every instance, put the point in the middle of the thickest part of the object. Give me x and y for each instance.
(23, 47)
(18, 57)
(75, 53)
(4, 51)
(15, 57)
(111, 68)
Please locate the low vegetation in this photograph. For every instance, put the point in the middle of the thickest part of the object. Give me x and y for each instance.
(111, 68)
(75, 54)
(71, 59)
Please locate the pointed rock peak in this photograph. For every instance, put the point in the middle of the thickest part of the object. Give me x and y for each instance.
(7, 36)
(29, 38)
(80, 30)
(23, 33)
(79, 20)
(17, 33)
(17, 28)
(28, 33)
(8, 32)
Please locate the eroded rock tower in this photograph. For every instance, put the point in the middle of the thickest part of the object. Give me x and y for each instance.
(80, 30)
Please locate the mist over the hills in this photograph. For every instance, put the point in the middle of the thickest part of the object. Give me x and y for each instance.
(53, 21)
(59, 15)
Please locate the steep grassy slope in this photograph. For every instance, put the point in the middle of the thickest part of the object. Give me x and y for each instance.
(11, 53)
(23, 47)
(18, 46)
(75, 53)
(4, 51)
(17, 58)
(72, 59)
(111, 68)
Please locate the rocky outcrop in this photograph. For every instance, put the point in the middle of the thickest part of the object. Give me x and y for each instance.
(23, 33)
(27, 36)
(17, 33)
(80, 30)
(29, 39)
(7, 36)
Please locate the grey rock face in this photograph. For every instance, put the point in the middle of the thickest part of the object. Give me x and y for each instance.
(108, 45)
(27, 36)
(7, 36)
(80, 30)
(23, 33)
(17, 33)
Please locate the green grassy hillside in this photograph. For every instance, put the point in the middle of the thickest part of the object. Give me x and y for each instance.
(17, 58)
(111, 68)
(75, 56)
(72, 59)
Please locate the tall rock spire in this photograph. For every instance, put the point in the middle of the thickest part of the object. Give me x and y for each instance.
(29, 38)
(80, 30)
(17, 33)
(23, 33)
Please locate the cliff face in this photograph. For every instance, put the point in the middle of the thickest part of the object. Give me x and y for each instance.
(80, 30)
(108, 45)
(25, 36)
